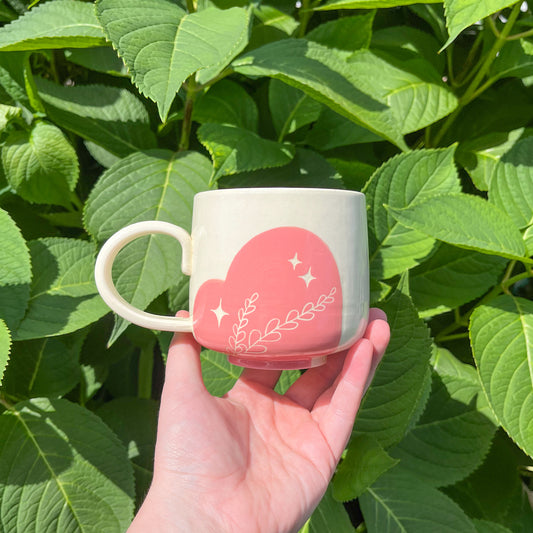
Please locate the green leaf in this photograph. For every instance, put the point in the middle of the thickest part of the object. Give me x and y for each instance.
(226, 102)
(410, 86)
(271, 17)
(5, 347)
(486, 115)
(62, 469)
(290, 108)
(400, 182)
(43, 367)
(378, 291)
(452, 277)
(333, 130)
(355, 172)
(511, 186)
(12, 77)
(100, 59)
(15, 272)
(366, 4)
(6, 13)
(101, 155)
(63, 295)
(406, 42)
(134, 421)
(109, 116)
(528, 240)
(515, 59)
(329, 517)
(480, 495)
(433, 14)
(307, 169)
(155, 39)
(325, 75)
(501, 334)
(480, 156)
(41, 165)
(400, 503)
(152, 185)
(460, 14)
(466, 221)
(270, 24)
(455, 431)
(218, 374)
(287, 378)
(57, 24)
(7, 114)
(346, 33)
(235, 150)
(484, 526)
(386, 411)
(364, 462)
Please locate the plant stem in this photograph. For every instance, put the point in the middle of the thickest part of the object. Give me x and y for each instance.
(497, 290)
(5, 190)
(491, 56)
(503, 286)
(191, 6)
(305, 15)
(201, 86)
(31, 88)
(468, 71)
(445, 338)
(186, 125)
(449, 64)
(493, 27)
(514, 279)
(472, 90)
(445, 333)
(146, 367)
(520, 35)
(5, 403)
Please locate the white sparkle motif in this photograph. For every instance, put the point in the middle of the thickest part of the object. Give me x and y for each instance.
(219, 312)
(295, 261)
(308, 278)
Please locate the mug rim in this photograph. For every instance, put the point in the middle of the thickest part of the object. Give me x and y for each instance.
(281, 190)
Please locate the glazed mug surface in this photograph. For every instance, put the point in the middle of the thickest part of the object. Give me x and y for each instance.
(278, 276)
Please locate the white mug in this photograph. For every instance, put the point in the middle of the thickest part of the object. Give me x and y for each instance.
(278, 276)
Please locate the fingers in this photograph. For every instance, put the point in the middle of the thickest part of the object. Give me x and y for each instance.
(374, 313)
(265, 378)
(183, 369)
(378, 333)
(335, 409)
(307, 388)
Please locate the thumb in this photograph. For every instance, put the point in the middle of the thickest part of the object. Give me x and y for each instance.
(183, 373)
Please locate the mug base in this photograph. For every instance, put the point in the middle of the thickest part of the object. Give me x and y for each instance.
(280, 364)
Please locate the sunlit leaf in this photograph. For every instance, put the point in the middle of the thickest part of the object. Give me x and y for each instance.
(57, 24)
(62, 469)
(162, 45)
(501, 333)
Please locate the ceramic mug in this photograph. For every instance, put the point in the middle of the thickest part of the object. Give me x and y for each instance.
(278, 276)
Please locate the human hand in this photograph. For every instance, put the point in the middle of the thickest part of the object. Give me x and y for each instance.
(253, 460)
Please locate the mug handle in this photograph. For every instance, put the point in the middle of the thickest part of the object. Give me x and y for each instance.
(110, 295)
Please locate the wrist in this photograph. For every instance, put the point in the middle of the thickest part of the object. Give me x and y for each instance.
(162, 514)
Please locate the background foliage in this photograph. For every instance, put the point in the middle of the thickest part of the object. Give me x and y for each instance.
(121, 110)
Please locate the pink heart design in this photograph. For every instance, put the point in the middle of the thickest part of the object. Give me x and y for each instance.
(282, 296)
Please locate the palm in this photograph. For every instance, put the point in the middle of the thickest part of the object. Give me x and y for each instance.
(259, 460)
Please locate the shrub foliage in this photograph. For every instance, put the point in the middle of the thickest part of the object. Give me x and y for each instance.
(117, 111)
